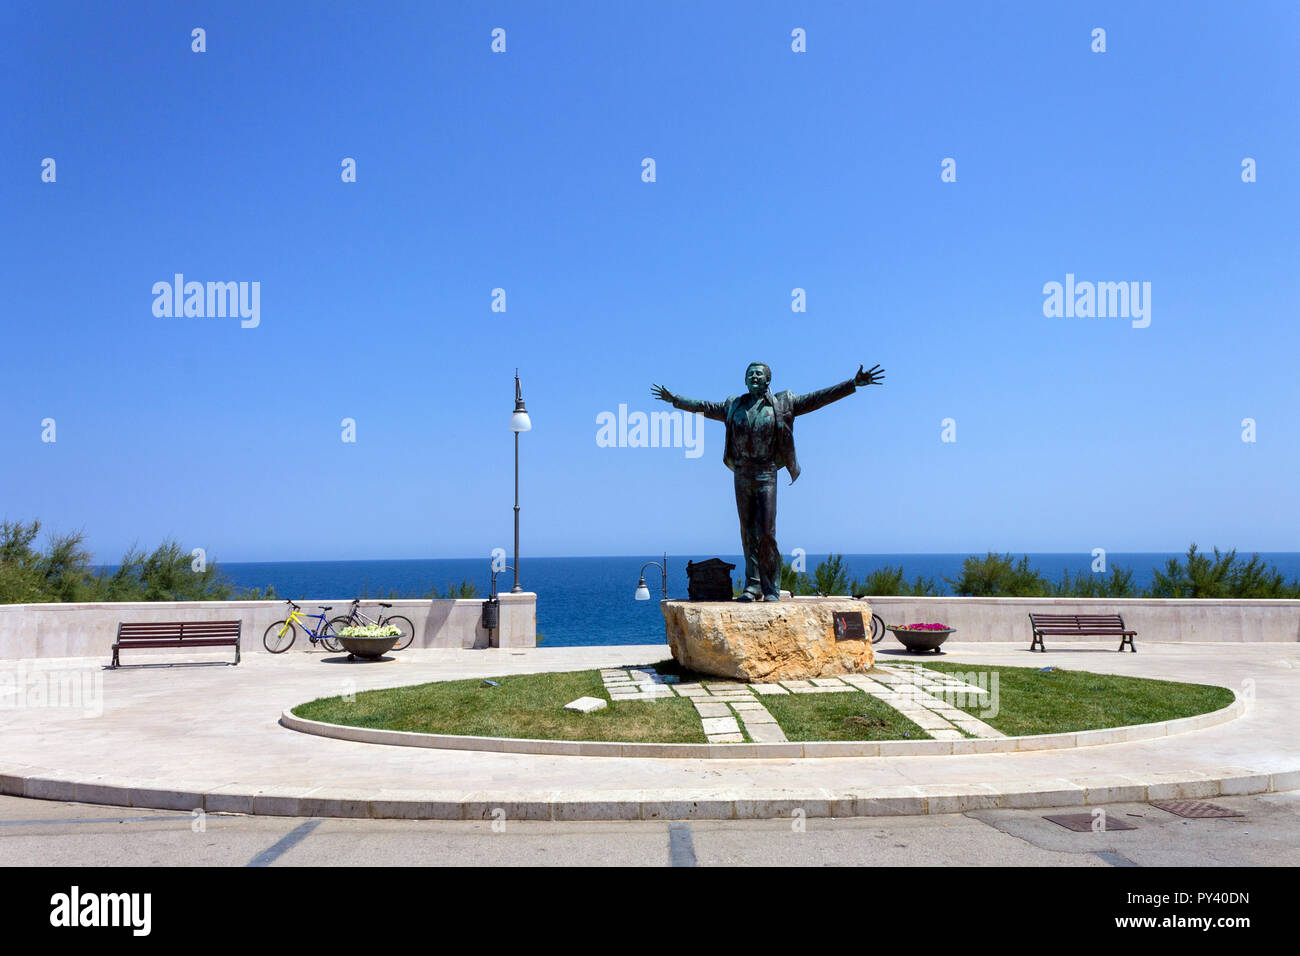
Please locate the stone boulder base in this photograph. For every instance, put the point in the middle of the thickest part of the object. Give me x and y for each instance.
(789, 640)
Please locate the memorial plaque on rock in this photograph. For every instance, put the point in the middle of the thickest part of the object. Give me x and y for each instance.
(709, 580)
(849, 626)
(765, 640)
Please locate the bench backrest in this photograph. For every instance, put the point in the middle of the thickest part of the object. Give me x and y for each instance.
(1078, 622)
(176, 630)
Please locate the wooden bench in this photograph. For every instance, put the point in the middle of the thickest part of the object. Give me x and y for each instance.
(1074, 625)
(176, 634)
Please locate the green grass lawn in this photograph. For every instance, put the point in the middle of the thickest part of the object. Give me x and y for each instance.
(1062, 701)
(855, 716)
(532, 705)
(525, 705)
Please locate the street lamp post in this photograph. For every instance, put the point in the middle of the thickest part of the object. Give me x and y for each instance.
(519, 422)
(643, 592)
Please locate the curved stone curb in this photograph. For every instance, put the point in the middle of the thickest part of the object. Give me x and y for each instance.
(677, 804)
(829, 748)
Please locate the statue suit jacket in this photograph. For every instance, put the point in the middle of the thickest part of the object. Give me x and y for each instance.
(786, 405)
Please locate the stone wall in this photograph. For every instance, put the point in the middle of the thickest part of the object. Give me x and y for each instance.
(88, 630)
(1007, 619)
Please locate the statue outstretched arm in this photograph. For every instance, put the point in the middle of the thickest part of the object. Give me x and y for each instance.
(715, 410)
(822, 397)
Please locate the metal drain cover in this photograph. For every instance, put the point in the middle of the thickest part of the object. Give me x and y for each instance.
(1082, 822)
(1196, 809)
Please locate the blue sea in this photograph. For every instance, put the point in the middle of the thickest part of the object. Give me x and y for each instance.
(583, 601)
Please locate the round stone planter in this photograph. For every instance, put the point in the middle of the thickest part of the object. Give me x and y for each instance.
(368, 648)
(919, 641)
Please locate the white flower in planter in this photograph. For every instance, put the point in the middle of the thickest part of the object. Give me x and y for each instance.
(370, 630)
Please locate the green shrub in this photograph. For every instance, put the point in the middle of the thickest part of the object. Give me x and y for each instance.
(999, 575)
(22, 580)
(890, 581)
(1119, 584)
(796, 582)
(466, 589)
(165, 574)
(829, 577)
(1223, 576)
(62, 572)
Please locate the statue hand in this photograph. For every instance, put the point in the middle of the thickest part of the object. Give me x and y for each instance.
(661, 393)
(872, 376)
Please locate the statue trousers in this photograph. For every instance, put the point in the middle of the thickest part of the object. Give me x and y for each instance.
(756, 505)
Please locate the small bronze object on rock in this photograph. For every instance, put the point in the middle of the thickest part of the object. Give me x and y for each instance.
(709, 580)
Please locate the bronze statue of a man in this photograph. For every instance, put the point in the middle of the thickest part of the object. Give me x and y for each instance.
(760, 442)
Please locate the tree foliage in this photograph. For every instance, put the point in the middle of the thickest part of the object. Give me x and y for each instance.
(1195, 575)
(61, 571)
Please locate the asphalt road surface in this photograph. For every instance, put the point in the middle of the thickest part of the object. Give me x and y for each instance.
(45, 833)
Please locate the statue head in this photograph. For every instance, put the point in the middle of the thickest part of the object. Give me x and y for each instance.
(757, 378)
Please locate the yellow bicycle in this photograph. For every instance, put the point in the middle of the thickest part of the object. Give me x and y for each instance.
(279, 637)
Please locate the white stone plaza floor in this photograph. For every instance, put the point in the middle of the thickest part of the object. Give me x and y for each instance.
(208, 736)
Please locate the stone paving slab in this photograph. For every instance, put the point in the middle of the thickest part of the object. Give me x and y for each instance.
(711, 708)
(928, 721)
(156, 744)
(929, 712)
(759, 723)
(977, 727)
(720, 725)
(837, 689)
(765, 731)
(869, 686)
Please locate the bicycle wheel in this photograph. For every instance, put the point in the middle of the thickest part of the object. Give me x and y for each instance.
(404, 625)
(329, 635)
(279, 637)
(877, 629)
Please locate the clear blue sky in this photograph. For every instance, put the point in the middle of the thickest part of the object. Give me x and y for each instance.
(775, 170)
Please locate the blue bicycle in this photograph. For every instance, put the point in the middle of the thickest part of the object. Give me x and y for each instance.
(279, 637)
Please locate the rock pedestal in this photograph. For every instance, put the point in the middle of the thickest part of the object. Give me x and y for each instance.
(766, 641)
